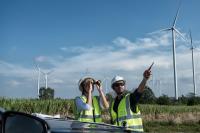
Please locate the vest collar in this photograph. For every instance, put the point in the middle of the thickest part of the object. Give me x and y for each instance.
(125, 92)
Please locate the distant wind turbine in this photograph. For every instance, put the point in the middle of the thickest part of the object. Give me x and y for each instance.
(87, 72)
(46, 77)
(174, 31)
(106, 84)
(158, 84)
(38, 81)
(193, 67)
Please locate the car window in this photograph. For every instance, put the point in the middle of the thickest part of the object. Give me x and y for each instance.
(22, 124)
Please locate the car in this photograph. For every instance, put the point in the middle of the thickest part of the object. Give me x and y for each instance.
(19, 122)
(1, 114)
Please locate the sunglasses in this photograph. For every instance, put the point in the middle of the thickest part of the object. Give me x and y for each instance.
(118, 84)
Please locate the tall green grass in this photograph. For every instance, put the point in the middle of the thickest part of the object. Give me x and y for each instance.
(170, 109)
(53, 106)
(167, 127)
(65, 106)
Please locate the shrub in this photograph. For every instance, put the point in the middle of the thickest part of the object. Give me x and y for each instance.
(193, 101)
(148, 96)
(164, 100)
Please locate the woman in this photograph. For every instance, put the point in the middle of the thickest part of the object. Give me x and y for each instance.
(88, 107)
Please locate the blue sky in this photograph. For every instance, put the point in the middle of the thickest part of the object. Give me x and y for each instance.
(101, 38)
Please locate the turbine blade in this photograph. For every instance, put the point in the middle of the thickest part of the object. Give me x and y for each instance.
(50, 72)
(191, 40)
(43, 72)
(177, 13)
(198, 49)
(158, 31)
(37, 66)
(181, 35)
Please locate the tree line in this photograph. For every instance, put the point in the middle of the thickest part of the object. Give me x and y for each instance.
(148, 97)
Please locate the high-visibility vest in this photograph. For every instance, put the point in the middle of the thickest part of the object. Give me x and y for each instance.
(125, 116)
(92, 115)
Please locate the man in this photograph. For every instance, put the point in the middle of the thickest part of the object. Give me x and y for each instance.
(124, 109)
(88, 107)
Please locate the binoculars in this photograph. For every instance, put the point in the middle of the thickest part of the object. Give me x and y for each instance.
(93, 81)
(97, 82)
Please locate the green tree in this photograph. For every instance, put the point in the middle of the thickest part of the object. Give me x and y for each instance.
(164, 100)
(148, 96)
(46, 93)
(190, 95)
(183, 100)
(192, 99)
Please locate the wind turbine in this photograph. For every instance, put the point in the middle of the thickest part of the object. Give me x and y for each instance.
(158, 85)
(106, 83)
(193, 67)
(46, 77)
(38, 81)
(174, 31)
(87, 72)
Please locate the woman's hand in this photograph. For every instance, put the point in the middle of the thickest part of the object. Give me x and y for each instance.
(98, 85)
(100, 89)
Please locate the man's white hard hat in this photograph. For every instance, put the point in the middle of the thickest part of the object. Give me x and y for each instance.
(116, 79)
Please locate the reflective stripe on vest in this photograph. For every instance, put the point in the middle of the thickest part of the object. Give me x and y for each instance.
(90, 115)
(125, 115)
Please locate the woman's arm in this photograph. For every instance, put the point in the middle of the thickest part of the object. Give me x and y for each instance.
(81, 105)
(102, 96)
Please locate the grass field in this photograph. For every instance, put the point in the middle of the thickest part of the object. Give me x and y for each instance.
(171, 109)
(156, 118)
(171, 127)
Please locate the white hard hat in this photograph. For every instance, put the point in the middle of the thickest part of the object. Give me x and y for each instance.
(81, 81)
(116, 79)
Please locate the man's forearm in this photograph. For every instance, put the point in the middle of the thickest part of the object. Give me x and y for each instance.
(142, 85)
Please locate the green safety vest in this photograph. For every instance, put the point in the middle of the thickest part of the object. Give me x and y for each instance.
(92, 115)
(125, 116)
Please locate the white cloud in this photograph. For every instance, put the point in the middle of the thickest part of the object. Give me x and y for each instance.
(63, 48)
(57, 81)
(124, 43)
(41, 59)
(14, 70)
(164, 39)
(146, 43)
(14, 83)
(121, 56)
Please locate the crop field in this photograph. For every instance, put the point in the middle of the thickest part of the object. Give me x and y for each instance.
(177, 118)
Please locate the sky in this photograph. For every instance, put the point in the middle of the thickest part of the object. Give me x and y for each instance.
(100, 38)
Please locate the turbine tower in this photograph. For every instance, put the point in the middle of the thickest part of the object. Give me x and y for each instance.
(193, 67)
(106, 83)
(38, 81)
(174, 31)
(87, 72)
(46, 77)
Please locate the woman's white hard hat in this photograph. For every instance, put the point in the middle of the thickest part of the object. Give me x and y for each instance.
(82, 80)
